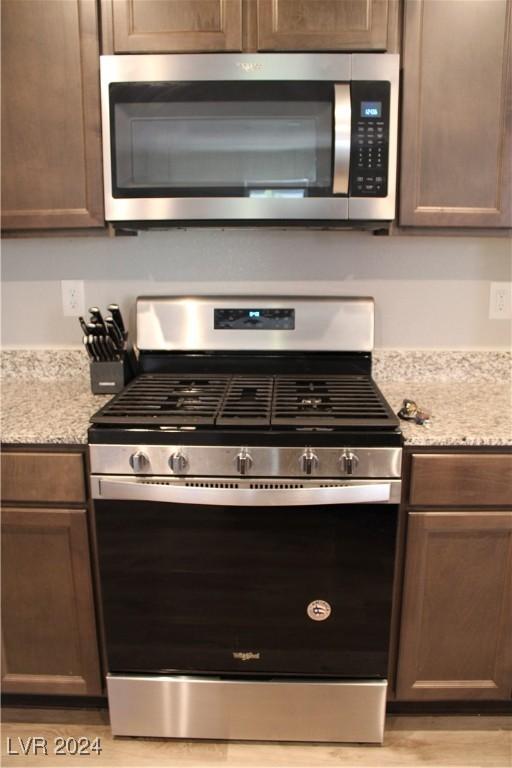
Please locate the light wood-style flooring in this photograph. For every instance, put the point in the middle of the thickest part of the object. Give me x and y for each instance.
(412, 740)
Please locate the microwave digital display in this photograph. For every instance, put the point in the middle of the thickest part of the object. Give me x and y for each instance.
(371, 109)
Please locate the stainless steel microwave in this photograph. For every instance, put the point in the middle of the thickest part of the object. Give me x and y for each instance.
(250, 138)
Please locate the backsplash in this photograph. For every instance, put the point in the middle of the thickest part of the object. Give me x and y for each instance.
(430, 292)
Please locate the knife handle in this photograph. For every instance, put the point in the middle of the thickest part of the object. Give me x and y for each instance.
(96, 317)
(112, 350)
(118, 318)
(114, 332)
(93, 348)
(88, 349)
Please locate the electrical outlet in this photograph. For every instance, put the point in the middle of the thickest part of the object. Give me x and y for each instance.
(500, 305)
(73, 300)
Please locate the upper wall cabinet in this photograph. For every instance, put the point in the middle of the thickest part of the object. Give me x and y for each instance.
(322, 25)
(51, 149)
(457, 114)
(156, 26)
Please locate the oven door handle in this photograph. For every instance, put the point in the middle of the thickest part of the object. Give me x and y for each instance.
(342, 138)
(167, 492)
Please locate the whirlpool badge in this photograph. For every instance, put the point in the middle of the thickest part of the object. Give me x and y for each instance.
(319, 610)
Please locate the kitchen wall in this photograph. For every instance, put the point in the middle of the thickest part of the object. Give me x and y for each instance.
(430, 292)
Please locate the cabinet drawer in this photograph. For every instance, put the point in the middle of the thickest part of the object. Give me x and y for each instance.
(461, 480)
(42, 477)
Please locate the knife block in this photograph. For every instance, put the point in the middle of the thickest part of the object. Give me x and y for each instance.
(110, 377)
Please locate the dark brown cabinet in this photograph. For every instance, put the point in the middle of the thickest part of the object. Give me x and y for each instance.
(456, 623)
(322, 25)
(51, 147)
(457, 114)
(49, 641)
(157, 26)
(461, 479)
(49, 630)
(42, 478)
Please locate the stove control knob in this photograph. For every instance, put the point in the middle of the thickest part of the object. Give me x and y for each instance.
(243, 462)
(139, 461)
(349, 462)
(309, 461)
(178, 462)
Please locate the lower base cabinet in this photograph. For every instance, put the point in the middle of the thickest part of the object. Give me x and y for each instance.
(49, 642)
(455, 639)
(456, 633)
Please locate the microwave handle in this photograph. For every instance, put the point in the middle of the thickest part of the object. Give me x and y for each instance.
(132, 489)
(342, 137)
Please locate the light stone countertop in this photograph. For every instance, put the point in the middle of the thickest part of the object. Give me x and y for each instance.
(463, 412)
(46, 396)
(48, 411)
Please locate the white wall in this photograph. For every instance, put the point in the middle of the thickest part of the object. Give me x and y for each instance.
(430, 291)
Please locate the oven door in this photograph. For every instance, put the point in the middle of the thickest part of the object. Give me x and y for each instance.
(246, 577)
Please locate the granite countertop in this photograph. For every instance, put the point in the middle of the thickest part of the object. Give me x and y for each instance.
(46, 396)
(463, 413)
(51, 411)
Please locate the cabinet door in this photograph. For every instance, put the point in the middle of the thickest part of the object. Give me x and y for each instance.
(155, 26)
(457, 114)
(455, 640)
(51, 151)
(49, 642)
(322, 25)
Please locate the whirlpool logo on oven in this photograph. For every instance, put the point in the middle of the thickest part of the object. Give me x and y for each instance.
(246, 655)
(319, 610)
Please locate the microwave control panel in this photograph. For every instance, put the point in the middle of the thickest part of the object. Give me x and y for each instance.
(369, 151)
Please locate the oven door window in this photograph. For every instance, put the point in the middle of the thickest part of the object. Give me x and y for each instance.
(229, 139)
(252, 591)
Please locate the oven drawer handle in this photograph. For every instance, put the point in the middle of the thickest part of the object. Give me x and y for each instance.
(137, 490)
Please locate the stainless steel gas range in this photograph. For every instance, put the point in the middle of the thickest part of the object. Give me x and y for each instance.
(246, 488)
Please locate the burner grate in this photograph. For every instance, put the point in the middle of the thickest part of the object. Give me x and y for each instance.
(327, 401)
(166, 399)
(247, 400)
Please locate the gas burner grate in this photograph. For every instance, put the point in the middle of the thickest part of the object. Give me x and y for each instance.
(246, 400)
(162, 399)
(328, 401)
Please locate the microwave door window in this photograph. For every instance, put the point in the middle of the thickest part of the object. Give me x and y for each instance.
(225, 147)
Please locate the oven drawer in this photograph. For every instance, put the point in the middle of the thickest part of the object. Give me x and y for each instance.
(461, 480)
(36, 477)
(328, 710)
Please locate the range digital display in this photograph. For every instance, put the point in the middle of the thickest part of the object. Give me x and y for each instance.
(254, 319)
(371, 109)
